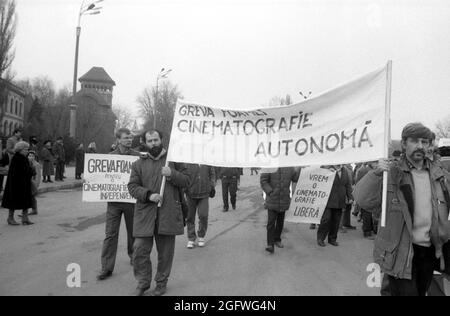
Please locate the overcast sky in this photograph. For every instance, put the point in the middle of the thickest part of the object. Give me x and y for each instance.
(242, 53)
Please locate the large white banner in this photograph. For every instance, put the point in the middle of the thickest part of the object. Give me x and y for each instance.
(106, 178)
(311, 195)
(343, 125)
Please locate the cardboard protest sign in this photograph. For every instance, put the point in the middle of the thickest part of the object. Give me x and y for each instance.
(311, 195)
(341, 126)
(106, 178)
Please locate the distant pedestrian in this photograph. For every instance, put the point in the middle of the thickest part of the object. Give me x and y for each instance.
(18, 189)
(346, 213)
(254, 171)
(12, 141)
(35, 181)
(60, 159)
(4, 164)
(369, 217)
(229, 178)
(79, 161)
(341, 192)
(277, 186)
(33, 141)
(48, 161)
(92, 148)
(202, 187)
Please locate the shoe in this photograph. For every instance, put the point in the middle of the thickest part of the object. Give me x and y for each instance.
(27, 223)
(225, 209)
(104, 275)
(270, 249)
(33, 213)
(50, 181)
(12, 222)
(343, 230)
(191, 244)
(234, 207)
(201, 242)
(312, 226)
(369, 236)
(140, 291)
(160, 290)
(279, 244)
(350, 227)
(321, 243)
(334, 243)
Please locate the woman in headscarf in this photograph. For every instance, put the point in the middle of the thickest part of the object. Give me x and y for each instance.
(18, 189)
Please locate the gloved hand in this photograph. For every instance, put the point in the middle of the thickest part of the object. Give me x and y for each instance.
(212, 194)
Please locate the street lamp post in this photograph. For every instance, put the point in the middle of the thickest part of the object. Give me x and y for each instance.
(90, 9)
(305, 96)
(162, 75)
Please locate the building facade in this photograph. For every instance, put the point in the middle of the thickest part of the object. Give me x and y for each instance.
(12, 109)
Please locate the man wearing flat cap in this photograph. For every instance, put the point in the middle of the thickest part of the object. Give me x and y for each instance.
(415, 240)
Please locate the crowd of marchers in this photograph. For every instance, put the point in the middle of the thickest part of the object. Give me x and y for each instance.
(410, 247)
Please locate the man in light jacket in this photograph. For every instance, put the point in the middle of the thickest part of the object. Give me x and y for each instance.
(414, 241)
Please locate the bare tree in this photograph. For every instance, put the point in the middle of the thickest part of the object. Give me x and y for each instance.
(7, 34)
(168, 94)
(40, 87)
(147, 102)
(124, 116)
(442, 128)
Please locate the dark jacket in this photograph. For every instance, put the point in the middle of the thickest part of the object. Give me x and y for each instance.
(277, 188)
(127, 152)
(230, 173)
(47, 160)
(145, 180)
(59, 152)
(79, 161)
(202, 181)
(393, 246)
(341, 191)
(18, 195)
(362, 172)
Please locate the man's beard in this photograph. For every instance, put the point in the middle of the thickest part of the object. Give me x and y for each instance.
(155, 151)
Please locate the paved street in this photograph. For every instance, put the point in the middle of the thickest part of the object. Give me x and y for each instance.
(33, 259)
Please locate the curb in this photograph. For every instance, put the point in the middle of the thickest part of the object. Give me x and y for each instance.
(61, 187)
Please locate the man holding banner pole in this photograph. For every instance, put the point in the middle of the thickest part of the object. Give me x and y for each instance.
(151, 222)
(415, 240)
(114, 213)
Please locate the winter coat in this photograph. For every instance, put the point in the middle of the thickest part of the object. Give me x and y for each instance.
(47, 160)
(341, 191)
(4, 163)
(202, 181)
(18, 195)
(36, 180)
(79, 161)
(145, 180)
(277, 187)
(59, 152)
(230, 173)
(393, 246)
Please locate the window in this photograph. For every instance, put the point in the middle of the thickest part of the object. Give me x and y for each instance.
(5, 128)
(17, 108)
(11, 128)
(11, 105)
